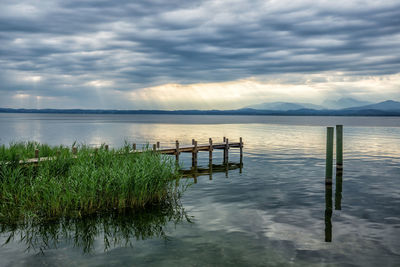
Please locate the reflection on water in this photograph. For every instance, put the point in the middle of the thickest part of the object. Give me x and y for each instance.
(338, 190)
(115, 229)
(328, 212)
(270, 213)
(329, 203)
(196, 171)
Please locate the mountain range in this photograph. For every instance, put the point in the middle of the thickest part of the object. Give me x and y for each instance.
(385, 108)
(284, 106)
(342, 103)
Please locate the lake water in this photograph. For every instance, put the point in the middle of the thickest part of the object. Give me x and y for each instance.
(275, 211)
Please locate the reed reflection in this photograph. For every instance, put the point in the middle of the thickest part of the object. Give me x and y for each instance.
(119, 228)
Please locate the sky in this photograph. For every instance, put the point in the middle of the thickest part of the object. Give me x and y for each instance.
(176, 54)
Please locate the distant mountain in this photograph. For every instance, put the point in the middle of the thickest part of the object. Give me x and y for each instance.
(388, 105)
(344, 102)
(284, 106)
(386, 108)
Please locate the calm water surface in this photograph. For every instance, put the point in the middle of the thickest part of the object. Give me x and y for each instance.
(275, 211)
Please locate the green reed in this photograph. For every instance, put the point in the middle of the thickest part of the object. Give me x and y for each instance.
(93, 180)
(26, 150)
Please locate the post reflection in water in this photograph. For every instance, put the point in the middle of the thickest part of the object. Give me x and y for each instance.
(226, 166)
(338, 190)
(195, 172)
(118, 228)
(329, 203)
(210, 168)
(328, 212)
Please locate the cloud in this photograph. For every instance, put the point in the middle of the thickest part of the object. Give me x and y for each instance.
(74, 46)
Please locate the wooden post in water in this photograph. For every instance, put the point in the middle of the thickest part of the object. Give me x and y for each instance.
(37, 153)
(193, 141)
(329, 155)
(210, 157)
(223, 158)
(226, 150)
(106, 147)
(210, 150)
(177, 150)
(158, 145)
(194, 154)
(154, 147)
(74, 150)
(339, 147)
(134, 147)
(241, 149)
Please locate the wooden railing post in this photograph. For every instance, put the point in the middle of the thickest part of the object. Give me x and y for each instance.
(158, 145)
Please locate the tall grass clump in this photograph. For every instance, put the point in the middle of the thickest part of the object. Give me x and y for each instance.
(92, 181)
(26, 150)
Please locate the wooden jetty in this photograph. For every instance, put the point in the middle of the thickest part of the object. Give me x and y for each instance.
(194, 148)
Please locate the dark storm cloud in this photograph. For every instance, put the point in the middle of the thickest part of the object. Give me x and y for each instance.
(69, 44)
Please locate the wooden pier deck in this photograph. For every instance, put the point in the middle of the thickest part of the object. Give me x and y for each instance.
(191, 148)
(195, 148)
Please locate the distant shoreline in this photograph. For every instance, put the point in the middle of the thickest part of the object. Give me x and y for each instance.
(248, 112)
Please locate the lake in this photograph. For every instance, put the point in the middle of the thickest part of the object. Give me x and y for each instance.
(276, 210)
